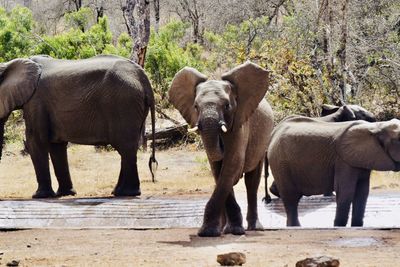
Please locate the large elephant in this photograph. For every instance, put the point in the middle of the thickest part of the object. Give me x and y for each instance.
(235, 123)
(309, 157)
(329, 113)
(96, 101)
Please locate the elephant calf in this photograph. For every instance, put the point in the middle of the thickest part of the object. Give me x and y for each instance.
(329, 113)
(310, 157)
(235, 123)
(95, 101)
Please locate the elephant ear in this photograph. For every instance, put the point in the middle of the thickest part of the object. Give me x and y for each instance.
(250, 83)
(361, 146)
(328, 109)
(18, 80)
(182, 93)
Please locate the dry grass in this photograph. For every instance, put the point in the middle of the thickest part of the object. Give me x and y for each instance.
(182, 171)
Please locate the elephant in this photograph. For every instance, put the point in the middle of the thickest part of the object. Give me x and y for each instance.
(235, 122)
(329, 113)
(308, 156)
(96, 101)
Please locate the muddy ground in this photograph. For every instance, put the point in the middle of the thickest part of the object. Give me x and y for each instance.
(182, 173)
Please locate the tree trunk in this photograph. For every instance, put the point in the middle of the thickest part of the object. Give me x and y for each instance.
(137, 19)
(157, 14)
(341, 52)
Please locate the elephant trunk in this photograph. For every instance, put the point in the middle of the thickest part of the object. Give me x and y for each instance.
(210, 134)
(2, 126)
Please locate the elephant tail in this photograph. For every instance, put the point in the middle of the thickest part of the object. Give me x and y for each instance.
(267, 198)
(2, 130)
(153, 163)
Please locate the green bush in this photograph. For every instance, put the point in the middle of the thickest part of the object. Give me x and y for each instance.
(16, 38)
(166, 56)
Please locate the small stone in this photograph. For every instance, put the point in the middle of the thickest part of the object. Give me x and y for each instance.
(13, 263)
(322, 261)
(231, 259)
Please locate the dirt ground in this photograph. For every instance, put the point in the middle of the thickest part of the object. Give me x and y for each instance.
(181, 247)
(183, 172)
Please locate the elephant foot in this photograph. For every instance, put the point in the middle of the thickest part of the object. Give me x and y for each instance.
(65, 192)
(44, 194)
(209, 231)
(121, 192)
(329, 194)
(274, 190)
(267, 199)
(257, 226)
(234, 229)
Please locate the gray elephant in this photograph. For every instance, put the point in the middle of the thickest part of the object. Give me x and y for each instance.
(310, 157)
(329, 113)
(96, 101)
(235, 122)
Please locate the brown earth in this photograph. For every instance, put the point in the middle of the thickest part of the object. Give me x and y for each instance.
(181, 247)
(182, 172)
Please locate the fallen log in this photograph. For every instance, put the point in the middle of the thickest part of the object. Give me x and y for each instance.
(170, 132)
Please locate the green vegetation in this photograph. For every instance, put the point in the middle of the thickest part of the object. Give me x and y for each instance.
(302, 74)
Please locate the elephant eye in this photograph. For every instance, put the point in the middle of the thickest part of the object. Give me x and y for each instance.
(227, 106)
(196, 107)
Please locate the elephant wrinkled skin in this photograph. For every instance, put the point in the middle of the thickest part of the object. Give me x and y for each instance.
(235, 122)
(310, 157)
(96, 101)
(329, 113)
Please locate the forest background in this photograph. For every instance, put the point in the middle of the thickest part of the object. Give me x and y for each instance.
(318, 51)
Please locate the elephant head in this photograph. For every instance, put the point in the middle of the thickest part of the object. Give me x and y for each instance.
(218, 107)
(18, 80)
(347, 113)
(372, 146)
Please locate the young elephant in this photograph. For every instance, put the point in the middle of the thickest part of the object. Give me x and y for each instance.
(310, 157)
(100, 100)
(235, 123)
(329, 113)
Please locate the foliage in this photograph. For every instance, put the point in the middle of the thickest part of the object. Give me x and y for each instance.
(16, 33)
(80, 19)
(76, 44)
(166, 56)
(294, 87)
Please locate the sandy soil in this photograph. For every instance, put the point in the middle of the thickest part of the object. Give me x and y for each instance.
(181, 247)
(184, 173)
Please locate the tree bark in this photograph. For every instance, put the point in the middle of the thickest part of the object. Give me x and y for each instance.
(157, 14)
(137, 19)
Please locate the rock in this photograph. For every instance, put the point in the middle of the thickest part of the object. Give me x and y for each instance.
(322, 261)
(13, 263)
(231, 259)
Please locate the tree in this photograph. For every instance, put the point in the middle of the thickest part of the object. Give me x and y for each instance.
(137, 20)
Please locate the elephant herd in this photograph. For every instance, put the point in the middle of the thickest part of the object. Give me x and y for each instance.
(106, 99)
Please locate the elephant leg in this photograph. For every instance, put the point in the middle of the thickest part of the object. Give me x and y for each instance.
(59, 158)
(234, 224)
(274, 189)
(291, 203)
(39, 153)
(128, 181)
(267, 199)
(360, 200)
(345, 186)
(252, 181)
(212, 220)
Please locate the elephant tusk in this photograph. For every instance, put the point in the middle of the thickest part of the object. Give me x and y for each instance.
(194, 129)
(223, 128)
